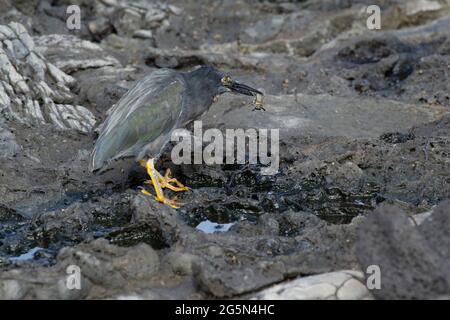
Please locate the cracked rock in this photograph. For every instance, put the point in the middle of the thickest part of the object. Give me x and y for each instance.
(340, 285)
(102, 266)
(32, 89)
(130, 16)
(71, 54)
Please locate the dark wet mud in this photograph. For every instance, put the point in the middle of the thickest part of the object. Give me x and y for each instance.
(364, 144)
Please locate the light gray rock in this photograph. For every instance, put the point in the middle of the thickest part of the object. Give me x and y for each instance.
(143, 34)
(70, 53)
(416, 7)
(264, 30)
(352, 289)
(32, 89)
(322, 115)
(128, 20)
(130, 16)
(341, 285)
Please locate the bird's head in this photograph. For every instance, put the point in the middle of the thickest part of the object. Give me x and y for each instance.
(221, 82)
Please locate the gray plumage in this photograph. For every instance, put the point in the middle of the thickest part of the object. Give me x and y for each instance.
(142, 121)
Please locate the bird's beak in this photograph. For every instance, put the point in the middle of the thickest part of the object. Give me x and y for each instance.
(241, 88)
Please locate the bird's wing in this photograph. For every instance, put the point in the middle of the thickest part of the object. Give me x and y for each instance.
(150, 109)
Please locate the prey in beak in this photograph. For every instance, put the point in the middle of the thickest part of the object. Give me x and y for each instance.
(240, 88)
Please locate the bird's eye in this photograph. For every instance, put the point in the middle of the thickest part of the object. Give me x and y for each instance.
(226, 81)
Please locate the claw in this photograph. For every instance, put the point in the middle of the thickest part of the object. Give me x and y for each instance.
(167, 179)
(170, 202)
(143, 191)
(155, 179)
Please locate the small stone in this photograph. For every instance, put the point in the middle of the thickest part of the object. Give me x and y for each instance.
(143, 34)
(175, 10)
(127, 22)
(154, 16)
(99, 26)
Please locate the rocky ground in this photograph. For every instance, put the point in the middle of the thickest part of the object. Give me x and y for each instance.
(364, 120)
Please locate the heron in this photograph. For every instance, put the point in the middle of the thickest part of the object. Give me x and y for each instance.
(141, 123)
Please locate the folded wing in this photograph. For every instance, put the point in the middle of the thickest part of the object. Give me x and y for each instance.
(150, 109)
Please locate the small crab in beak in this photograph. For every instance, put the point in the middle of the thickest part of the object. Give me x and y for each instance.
(240, 88)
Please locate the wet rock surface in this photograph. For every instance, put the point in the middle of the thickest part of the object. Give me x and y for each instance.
(364, 145)
(414, 260)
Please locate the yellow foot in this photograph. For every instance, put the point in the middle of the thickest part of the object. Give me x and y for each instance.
(155, 178)
(170, 202)
(167, 180)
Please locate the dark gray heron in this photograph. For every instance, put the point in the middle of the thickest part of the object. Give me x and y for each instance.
(142, 121)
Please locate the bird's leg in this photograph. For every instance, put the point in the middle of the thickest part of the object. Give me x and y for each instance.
(167, 179)
(151, 171)
(165, 182)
